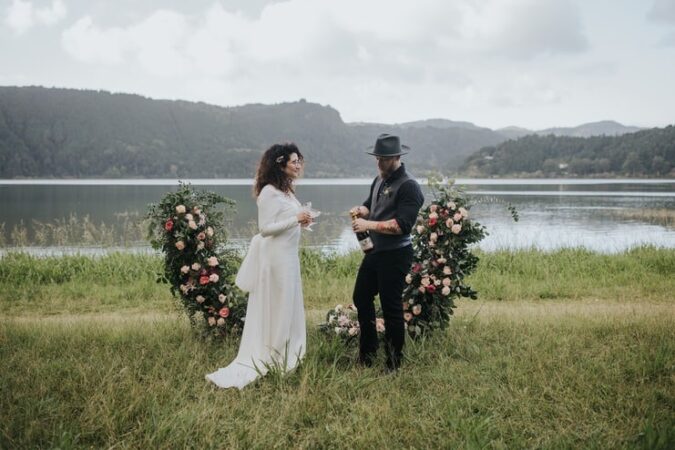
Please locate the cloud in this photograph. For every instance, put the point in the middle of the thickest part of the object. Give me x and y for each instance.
(663, 11)
(22, 15)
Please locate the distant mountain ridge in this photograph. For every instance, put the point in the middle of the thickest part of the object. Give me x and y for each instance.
(52, 132)
(601, 128)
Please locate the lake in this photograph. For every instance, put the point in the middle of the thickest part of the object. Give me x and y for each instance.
(599, 214)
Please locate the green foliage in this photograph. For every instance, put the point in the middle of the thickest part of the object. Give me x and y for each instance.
(186, 226)
(644, 153)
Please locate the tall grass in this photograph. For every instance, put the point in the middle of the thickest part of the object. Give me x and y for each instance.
(568, 349)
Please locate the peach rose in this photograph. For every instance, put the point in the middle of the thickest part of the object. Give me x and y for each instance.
(353, 331)
(457, 217)
(433, 215)
(456, 228)
(180, 209)
(407, 316)
(464, 212)
(212, 261)
(446, 281)
(200, 299)
(425, 281)
(220, 321)
(449, 223)
(201, 236)
(192, 225)
(196, 210)
(224, 312)
(445, 290)
(417, 310)
(214, 278)
(212, 321)
(420, 229)
(188, 217)
(433, 237)
(441, 260)
(379, 325)
(196, 266)
(180, 245)
(184, 269)
(447, 270)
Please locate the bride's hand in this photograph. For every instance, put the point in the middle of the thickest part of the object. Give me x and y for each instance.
(304, 218)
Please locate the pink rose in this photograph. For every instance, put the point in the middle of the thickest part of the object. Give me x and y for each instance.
(425, 281)
(446, 281)
(432, 222)
(433, 215)
(168, 226)
(407, 316)
(180, 245)
(456, 228)
(201, 236)
(224, 312)
(421, 289)
(449, 223)
(353, 331)
(431, 289)
(457, 217)
(433, 208)
(204, 280)
(417, 267)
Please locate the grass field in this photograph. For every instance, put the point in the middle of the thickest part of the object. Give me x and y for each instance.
(569, 349)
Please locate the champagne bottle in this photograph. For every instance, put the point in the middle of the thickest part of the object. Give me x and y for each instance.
(363, 237)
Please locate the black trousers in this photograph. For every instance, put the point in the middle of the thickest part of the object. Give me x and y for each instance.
(382, 273)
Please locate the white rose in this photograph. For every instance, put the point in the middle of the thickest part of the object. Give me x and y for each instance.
(184, 269)
(209, 232)
(222, 298)
(180, 245)
(445, 290)
(221, 321)
(441, 260)
(180, 209)
(451, 205)
(433, 237)
(437, 282)
(188, 216)
(339, 308)
(456, 228)
(192, 225)
(200, 299)
(447, 270)
(337, 330)
(464, 212)
(420, 229)
(200, 246)
(446, 281)
(408, 278)
(214, 278)
(196, 266)
(417, 310)
(212, 321)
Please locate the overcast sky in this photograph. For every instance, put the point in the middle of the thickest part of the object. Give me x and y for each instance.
(529, 63)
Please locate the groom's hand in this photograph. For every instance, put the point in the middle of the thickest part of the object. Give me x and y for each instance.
(360, 225)
(361, 211)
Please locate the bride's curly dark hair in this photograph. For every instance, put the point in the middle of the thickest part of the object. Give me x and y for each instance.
(271, 165)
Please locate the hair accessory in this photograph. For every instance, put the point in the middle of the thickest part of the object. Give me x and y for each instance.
(280, 158)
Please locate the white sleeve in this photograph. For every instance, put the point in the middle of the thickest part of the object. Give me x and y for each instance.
(269, 208)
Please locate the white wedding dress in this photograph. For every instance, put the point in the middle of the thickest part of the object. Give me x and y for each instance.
(274, 330)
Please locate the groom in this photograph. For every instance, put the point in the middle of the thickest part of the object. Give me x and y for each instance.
(388, 214)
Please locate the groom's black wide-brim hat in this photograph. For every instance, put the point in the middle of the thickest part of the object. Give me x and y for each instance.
(388, 145)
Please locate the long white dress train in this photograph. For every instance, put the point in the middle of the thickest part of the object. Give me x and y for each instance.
(274, 329)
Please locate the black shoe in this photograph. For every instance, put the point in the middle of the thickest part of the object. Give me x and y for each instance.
(366, 359)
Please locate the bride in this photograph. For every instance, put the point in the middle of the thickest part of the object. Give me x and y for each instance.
(274, 332)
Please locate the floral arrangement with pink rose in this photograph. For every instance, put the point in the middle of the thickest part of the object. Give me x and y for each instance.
(188, 228)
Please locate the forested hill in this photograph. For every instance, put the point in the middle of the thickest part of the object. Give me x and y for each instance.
(644, 153)
(72, 133)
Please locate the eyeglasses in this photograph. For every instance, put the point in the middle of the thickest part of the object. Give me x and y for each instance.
(297, 162)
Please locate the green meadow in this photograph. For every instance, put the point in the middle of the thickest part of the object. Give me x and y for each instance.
(564, 349)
